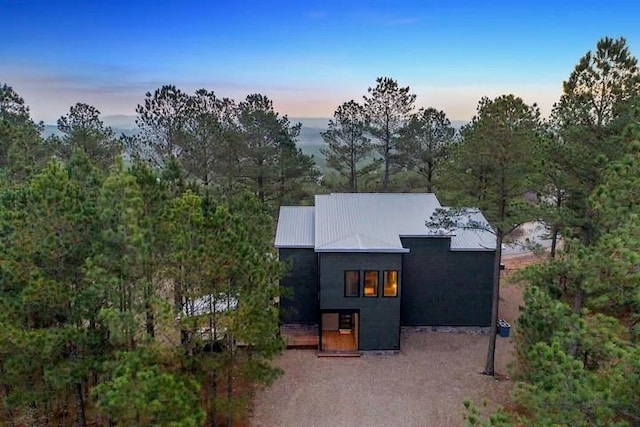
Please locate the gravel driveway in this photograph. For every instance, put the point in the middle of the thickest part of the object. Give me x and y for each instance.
(424, 385)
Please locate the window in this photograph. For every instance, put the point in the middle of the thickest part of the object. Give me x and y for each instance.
(351, 283)
(370, 283)
(390, 283)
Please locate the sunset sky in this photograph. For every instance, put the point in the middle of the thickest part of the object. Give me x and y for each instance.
(308, 56)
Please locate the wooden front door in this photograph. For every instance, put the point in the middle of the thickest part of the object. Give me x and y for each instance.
(345, 321)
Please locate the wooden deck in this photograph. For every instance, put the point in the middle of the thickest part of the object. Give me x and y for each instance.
(338, 344)
(335, 341)
(300, 335)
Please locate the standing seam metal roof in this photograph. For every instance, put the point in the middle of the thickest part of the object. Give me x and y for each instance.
(295, 227)
(369, 222)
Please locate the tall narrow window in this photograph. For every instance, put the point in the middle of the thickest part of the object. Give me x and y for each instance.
(370, 283)
(390, 283)
(351, 283)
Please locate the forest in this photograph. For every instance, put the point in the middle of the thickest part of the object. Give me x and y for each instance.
(139, 281)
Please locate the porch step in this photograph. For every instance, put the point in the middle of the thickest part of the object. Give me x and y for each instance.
(329, 353)
(298, 335)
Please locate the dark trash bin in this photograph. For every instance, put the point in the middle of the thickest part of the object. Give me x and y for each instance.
(504, 328)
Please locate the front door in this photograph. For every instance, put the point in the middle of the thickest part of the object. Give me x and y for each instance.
(345, 322)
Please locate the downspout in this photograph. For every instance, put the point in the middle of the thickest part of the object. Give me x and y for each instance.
(319, 311)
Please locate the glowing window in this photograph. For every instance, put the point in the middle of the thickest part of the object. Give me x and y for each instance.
(390, 288)
(370, 283)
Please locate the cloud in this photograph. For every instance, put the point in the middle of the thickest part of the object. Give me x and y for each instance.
(316, 15)
(387, 19)
(392, 22)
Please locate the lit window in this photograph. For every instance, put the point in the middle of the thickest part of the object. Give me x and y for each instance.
(351, 283)
(370, 283)
(390, 283)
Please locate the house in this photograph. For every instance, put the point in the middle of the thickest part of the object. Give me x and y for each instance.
(363, 265)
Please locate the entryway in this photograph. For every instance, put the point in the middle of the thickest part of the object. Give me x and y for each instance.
(339, 332)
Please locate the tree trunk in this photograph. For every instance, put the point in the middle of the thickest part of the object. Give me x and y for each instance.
(489, 368)
(179, 307)
(580, 295)
(260, 183)
(7, 390)
(429, 177)
(80, 416)
(554, 241)
(232, 353)
(229, 393)
(578, 302)
(555, 229)
(385, 178)
(354, 172)
(150, 320)
(213, 391)
(148, 308)
(387, 159)
(213, 396)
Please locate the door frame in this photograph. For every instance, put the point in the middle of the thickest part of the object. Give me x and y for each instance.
(338, 311)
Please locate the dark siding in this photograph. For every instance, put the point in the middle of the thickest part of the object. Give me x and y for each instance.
(444, 287)
(379, 317)
(300, 282)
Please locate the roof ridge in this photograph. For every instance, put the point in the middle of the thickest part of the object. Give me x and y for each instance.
(358, 237)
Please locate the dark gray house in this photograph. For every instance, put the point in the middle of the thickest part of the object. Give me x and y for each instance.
(363, 265)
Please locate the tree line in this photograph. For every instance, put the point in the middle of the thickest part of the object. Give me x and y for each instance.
(384, 143)
(132, 294)
(578, 362)
(105, 263)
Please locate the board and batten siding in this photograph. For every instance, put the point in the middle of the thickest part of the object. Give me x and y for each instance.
(300, 283)
(379, 326)
(443, 287)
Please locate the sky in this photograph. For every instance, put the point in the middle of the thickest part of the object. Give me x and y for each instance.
(308, 56)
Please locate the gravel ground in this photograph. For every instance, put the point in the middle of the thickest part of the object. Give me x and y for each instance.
(424, 385)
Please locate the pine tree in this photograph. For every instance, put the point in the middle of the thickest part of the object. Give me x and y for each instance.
(82, 129)
(349, 150)
(491, 169)
(389, 109)
(425, 144)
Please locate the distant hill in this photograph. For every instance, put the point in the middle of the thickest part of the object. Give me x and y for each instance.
(121, 121)
(310, 139)
(123, 124)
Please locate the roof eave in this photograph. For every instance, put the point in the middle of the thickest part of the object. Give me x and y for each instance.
(473, 249)
(365, 250)
(427, 236)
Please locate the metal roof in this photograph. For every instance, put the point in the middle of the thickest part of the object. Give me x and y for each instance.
(208, 304)
(378, 218)
(369, 222)
(470, 239)
(295, 227)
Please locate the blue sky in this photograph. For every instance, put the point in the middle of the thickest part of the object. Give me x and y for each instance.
(308, 56)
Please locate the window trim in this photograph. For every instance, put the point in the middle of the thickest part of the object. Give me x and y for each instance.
(364, 283)
(384, 279)
(357, 295)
